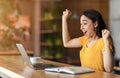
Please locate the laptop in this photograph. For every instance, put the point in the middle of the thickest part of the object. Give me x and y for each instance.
(33, 62)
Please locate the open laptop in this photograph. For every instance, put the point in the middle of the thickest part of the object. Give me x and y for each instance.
(29, 60)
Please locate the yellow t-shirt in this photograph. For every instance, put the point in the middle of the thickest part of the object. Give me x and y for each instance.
(92, 56)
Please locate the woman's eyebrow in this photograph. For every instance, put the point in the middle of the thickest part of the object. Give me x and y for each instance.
(84, 20)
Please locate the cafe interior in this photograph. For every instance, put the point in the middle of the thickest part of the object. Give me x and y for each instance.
(37, 25)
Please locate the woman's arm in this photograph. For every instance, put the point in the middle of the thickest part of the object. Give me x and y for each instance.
(107, 54)
(67, 41)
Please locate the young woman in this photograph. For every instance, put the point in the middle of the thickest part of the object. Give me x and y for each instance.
(97, 51)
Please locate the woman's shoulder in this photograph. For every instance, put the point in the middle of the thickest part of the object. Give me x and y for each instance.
(83, 39)
(101, 41)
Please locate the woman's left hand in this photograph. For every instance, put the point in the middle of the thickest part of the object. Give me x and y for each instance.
(105, 34)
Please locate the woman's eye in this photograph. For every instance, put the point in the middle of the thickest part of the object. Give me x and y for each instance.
(85, 23)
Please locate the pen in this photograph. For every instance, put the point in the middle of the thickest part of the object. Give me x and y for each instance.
(58, 70)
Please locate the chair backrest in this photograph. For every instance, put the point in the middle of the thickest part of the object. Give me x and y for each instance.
(117, 56)
(115, 33)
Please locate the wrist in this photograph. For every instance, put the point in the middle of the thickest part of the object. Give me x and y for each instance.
(64, 19)
(106, 42)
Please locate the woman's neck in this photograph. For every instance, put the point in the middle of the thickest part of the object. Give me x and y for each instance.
(92, 40)
(94, 37)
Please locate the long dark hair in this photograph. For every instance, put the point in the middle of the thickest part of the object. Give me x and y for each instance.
(95, 16)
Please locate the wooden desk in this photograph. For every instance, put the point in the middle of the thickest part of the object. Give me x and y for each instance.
(16, 64)
(14, 52)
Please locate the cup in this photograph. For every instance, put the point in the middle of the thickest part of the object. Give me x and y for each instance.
(35, 60)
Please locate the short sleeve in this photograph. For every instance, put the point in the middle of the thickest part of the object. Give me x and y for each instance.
(82, 40)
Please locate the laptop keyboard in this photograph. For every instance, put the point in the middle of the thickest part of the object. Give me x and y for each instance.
(41, 66)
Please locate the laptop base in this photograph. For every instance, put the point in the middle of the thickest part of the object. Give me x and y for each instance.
(41, 66)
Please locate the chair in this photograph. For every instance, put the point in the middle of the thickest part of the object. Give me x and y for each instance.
(116, 68)
(114, 28)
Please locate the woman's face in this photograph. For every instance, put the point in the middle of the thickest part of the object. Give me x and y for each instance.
(87, 26)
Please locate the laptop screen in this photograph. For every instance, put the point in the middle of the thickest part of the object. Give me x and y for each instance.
(24, 55)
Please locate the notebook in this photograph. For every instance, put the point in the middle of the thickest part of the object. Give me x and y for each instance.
(70, 70)
(33, 62)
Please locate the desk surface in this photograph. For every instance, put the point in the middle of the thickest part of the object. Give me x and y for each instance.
(14, 52)
(16, 64)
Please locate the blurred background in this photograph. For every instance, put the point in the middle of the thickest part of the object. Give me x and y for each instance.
(37, 25)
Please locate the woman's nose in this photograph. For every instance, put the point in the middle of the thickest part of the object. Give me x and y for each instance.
(81, 27)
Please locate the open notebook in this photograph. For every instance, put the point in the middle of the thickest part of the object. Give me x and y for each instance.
(70, 70)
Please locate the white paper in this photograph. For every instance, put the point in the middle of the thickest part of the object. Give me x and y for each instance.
(10, 73)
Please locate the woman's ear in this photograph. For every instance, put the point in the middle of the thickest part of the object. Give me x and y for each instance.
(96, 24)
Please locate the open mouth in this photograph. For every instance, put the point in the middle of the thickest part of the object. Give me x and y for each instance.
(84, 32)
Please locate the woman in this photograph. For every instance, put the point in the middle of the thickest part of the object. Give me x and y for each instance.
(97, 51)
